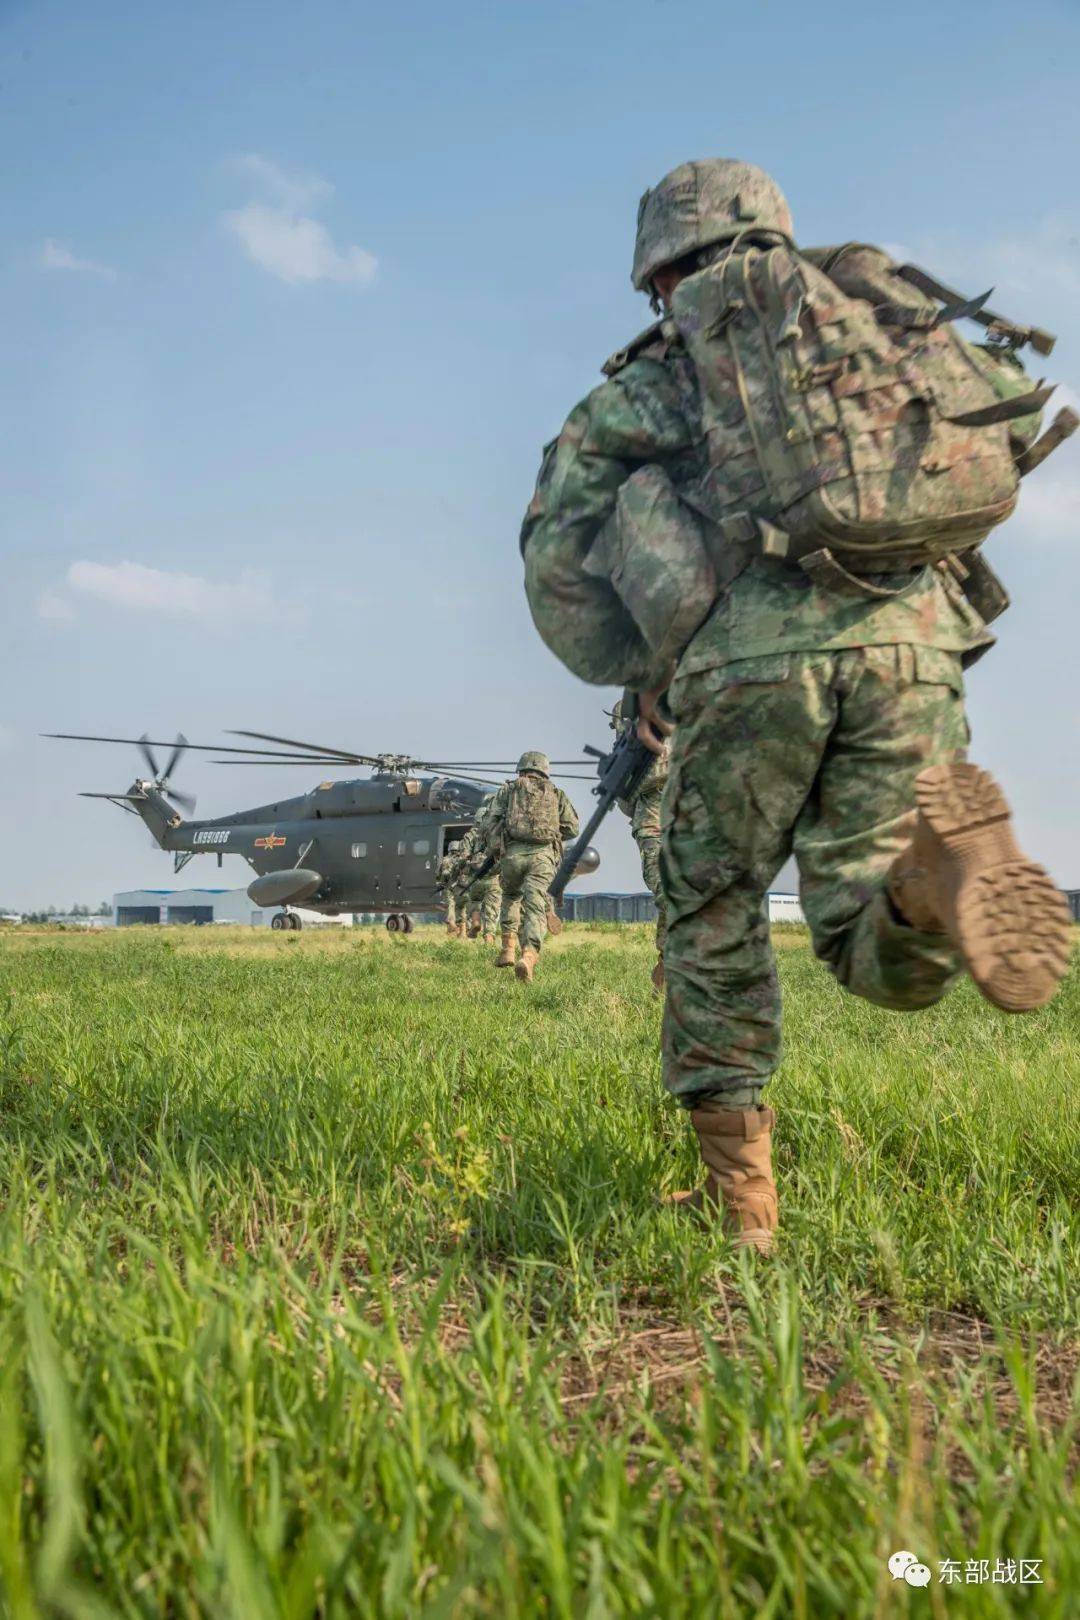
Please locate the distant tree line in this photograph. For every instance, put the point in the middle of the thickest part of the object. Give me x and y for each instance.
(50, 913)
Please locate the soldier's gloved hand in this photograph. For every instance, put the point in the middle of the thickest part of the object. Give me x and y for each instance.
(653, 726)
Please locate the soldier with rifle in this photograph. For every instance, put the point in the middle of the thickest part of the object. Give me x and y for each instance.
(479, 894)
(445, 875)
(643, 809)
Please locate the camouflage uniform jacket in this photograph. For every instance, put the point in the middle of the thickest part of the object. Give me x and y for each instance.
(473, 845)
(444, 872)
(648, 412)
(495, 841)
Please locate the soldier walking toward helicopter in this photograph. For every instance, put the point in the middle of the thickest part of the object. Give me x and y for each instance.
(529, 822)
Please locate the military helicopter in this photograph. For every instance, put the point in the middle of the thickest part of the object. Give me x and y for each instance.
(371, 844)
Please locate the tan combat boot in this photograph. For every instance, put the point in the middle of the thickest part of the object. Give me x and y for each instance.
(736, 1147)
(508, 955)
(474, 928)
(554, 922)
(964, 875)
(657, 974)
(527, 964)
(489, 939)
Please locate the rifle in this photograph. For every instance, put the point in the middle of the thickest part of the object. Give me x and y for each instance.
(621, 773)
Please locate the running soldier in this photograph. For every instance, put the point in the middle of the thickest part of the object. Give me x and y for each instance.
(766, 522)
(482, 897)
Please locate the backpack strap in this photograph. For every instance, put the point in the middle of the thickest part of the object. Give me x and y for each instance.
(1065, 424)
(1011, 333)
(655, 342)
(1007, 410)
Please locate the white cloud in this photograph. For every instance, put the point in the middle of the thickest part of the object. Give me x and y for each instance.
(133, 586)
(296, 248)
(284, 240)
(53, 606)
(294, 188)
(1050, 500)
(56, 256)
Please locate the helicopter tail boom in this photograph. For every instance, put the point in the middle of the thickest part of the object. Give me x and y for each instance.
(160, 816)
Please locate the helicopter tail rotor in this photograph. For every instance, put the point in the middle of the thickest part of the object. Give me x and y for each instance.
(162, 779)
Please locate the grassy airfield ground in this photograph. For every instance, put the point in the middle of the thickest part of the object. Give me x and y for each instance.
(332, 1282)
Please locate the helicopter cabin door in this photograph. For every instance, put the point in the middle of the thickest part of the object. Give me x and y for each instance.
(415, 860)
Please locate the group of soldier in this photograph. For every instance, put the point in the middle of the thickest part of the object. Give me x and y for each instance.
(500, 873)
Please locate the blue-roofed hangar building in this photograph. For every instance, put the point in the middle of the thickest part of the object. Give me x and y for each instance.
(201, 906)
(188, 906)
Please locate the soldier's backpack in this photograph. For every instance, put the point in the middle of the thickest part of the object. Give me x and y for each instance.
(836, 422)
(532, 813)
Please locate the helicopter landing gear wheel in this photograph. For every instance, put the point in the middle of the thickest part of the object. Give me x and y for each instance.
(407, 924)
(280, 919)
(393, 922)
(295, 921)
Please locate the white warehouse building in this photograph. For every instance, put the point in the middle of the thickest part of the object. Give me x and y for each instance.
(201, 906)
(186, 906)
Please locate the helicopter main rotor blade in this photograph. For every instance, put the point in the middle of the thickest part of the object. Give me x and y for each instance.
(297, 759)
(202, 748)
(486, 764)
(313, 748)
(122, 801)
(340, 764)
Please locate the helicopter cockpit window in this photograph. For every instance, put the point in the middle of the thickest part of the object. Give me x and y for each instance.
(359, 851)
(421, 847)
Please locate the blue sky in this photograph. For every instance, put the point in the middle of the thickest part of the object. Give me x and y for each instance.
(295, 293)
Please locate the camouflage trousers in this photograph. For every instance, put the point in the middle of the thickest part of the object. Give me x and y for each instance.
(811, 753)
(484, 897)
(526, 871)
(645, 827)
(450, 902)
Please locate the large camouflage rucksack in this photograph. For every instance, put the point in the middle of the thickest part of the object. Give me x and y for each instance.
(532, 811)
(832, 422)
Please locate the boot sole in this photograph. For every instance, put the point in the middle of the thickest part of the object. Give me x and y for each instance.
(1009, 921)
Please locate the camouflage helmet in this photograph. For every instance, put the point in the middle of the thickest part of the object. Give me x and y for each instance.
(531, 760)
(698, 204)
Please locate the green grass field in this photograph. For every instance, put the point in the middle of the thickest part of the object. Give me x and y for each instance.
(334, 1281)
